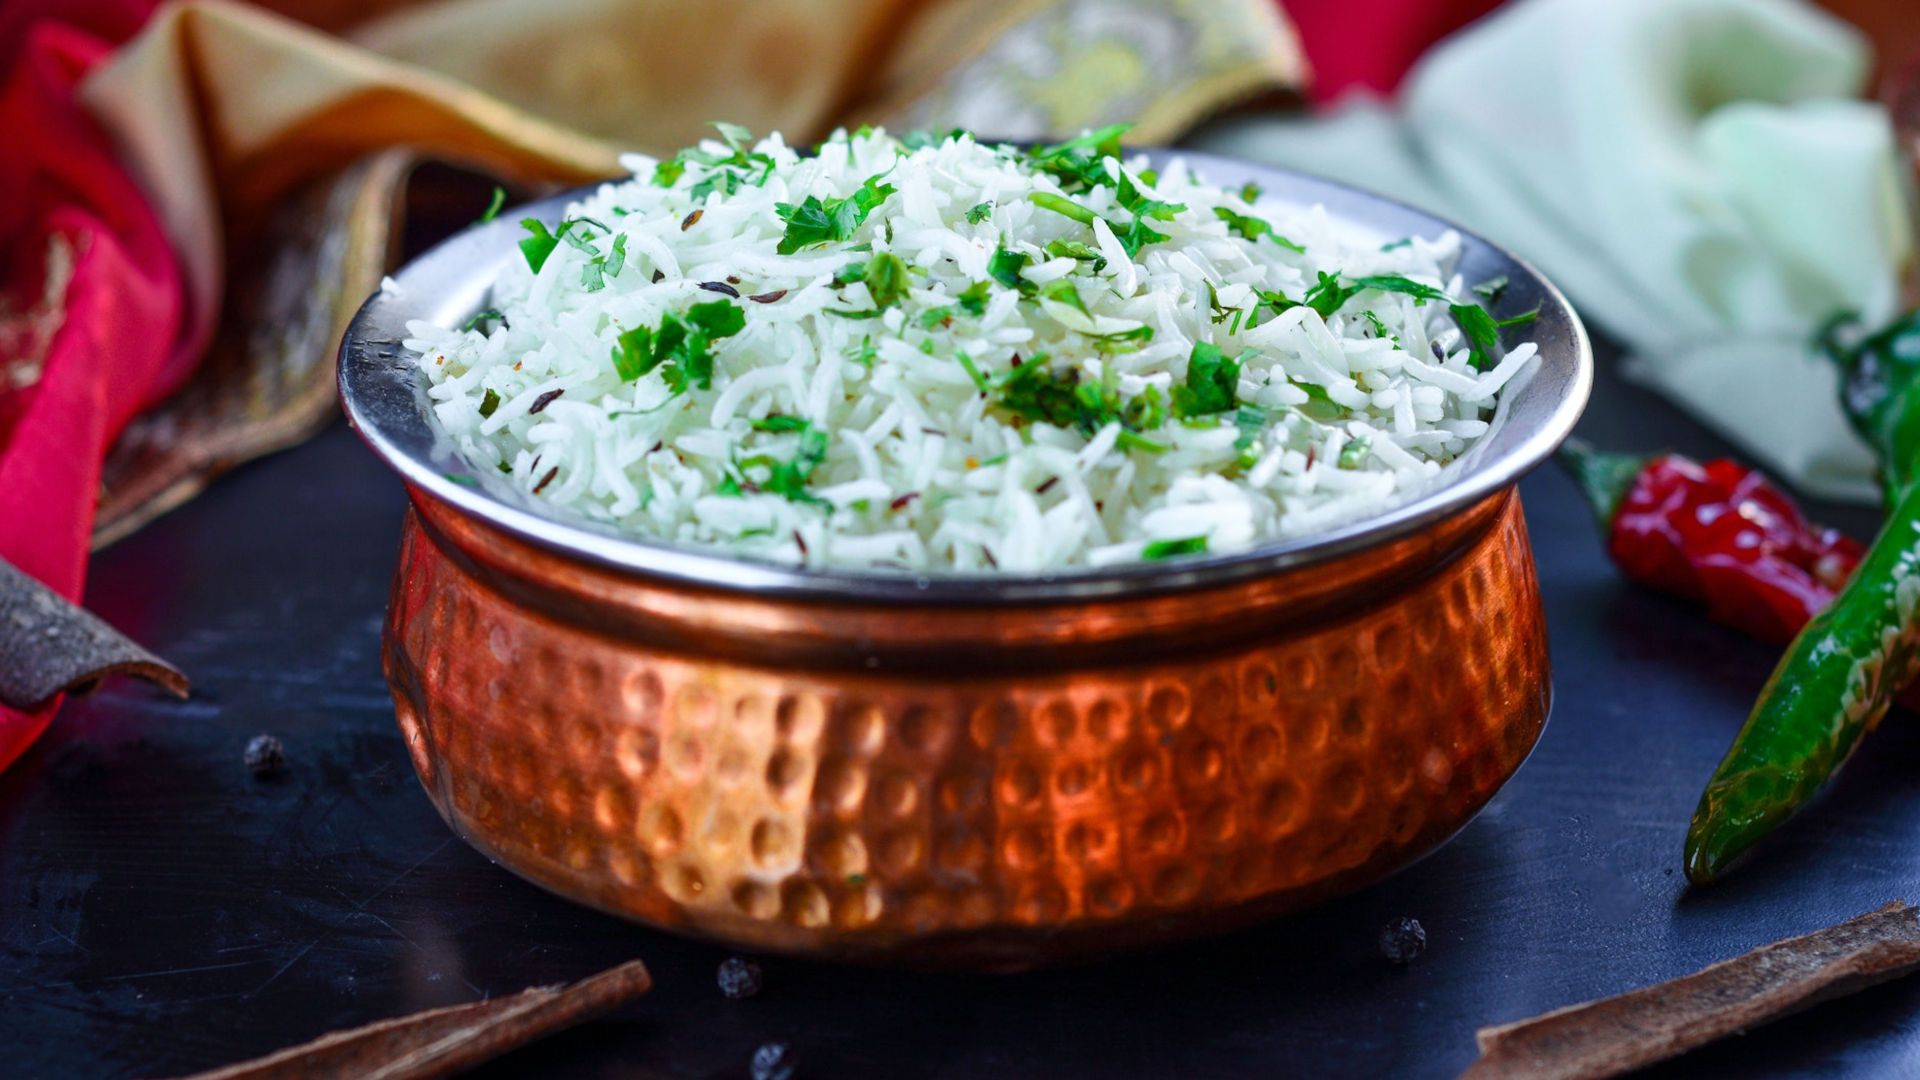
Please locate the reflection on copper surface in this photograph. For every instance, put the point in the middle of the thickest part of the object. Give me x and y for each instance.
(993, 786)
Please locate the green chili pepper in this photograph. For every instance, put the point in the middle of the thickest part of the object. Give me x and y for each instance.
(1841, 673)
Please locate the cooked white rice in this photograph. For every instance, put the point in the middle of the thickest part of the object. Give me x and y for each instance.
(924, 464)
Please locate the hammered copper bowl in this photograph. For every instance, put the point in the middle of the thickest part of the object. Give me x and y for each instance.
(988, 772)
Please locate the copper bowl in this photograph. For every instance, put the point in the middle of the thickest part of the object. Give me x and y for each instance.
(987, 772)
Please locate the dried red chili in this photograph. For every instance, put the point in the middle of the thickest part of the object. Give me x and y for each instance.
(1718, 533)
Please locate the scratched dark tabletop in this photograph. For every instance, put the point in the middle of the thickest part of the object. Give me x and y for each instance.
(161, 911)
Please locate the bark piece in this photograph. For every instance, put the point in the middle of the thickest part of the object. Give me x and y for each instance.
(442, 1042)
(1619, 1034)
(48, 645)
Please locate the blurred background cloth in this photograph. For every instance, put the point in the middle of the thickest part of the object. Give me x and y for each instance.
(1701, 176)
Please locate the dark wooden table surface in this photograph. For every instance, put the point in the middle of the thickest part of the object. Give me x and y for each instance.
(161, 911)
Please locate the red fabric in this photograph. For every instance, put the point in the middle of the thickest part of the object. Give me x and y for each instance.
(1371, 44)
(113, 352)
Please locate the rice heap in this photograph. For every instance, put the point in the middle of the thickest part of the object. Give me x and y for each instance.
(934, 354)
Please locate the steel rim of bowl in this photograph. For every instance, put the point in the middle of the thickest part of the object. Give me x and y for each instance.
(383, 394)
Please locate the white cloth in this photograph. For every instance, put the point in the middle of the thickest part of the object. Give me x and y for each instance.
(1696, 174)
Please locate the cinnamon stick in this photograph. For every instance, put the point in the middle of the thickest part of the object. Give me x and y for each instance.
(442, 1042)
(48, 645)
(1619, 1034)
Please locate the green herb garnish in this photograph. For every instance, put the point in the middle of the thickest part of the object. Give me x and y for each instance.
(1080, 163)
(740, 165)
(779, 423)
(1119, 341)
(1213, 383)
(887, 279)
(1062, 291)
(1005, 266)
(979, 212)
(1167, 549)
(973, 299)
(489, 403)
(789, 478)
(538, 244)
(1060, 204)
(973, 371)
(493, 205)
(817, 222)
(681, 348)
(1253, 228)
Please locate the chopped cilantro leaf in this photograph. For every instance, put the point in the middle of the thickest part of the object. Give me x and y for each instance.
(1250, 192)
(1005, 266)
(855, 270)
(1213, 383)
(1133, 199)
(1481, 332)
(1060, 204)
(482, 316)
(1405, 241)
(816, 222)
(1068, 399)
(790, 478)
(1062, 291)
(1521, 319)
(863, 353)
(1080, 163)
(973, 299)
(1137, 236)
(1491, 288)
(538, 244)
(777, 422)
(1075, 249)
(1167, 549)
(1253, 228)
(1120, 341)
(979, 212)
(489, 403)
(887, 279)
(493, 205)
(737, 137)
(1395, 283)
(973, 371)
(682, 345)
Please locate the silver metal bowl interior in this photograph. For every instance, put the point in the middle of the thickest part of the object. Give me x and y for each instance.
(383, 392)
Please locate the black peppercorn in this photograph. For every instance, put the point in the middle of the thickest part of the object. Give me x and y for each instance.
(1403, 940)
(775, 1061)
(266, 756)
(740, 978)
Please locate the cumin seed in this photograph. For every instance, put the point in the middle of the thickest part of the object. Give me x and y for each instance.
(721, 287)
(547, 479)
(767, 297)
(1047, 486)
(901, 502)
(691, 220)
(540, 403)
